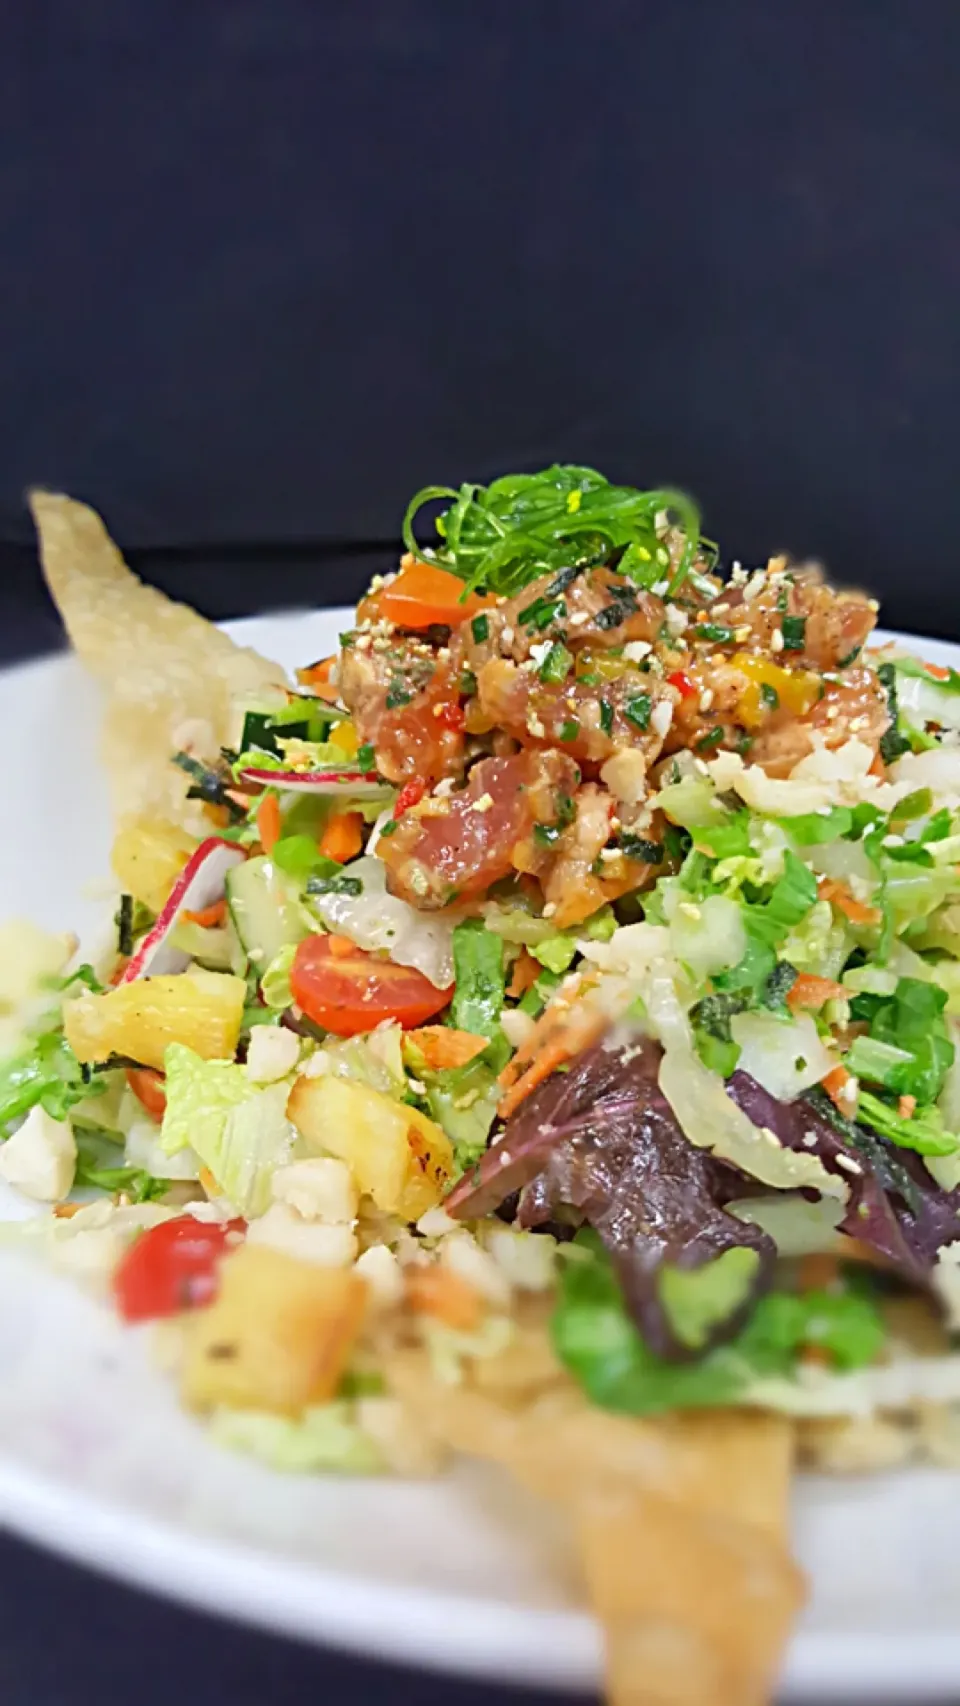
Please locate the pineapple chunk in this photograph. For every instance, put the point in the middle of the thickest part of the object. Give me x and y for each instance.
(397, 1155)
(202, 1010)
(278, 1335)
(148, 856)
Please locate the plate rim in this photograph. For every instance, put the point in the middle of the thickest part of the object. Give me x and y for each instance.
(423, 1627)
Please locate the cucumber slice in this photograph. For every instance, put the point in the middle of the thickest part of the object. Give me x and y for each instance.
(264, 906)
(212, 949)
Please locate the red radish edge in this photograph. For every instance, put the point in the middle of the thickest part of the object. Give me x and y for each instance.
(318, 782)
(200, 884)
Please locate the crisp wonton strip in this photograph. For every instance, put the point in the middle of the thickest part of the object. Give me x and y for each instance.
(681, 1522)
(171, 678)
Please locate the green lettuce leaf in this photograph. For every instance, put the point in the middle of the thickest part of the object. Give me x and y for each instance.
(239, 1129)
(597, 1341)
(324, 1437)
(480, 978)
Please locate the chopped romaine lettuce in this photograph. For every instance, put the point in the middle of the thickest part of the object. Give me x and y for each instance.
(239, 1129)
(100, 1166)
(324, 1437)
(275, 989)
(479, 977)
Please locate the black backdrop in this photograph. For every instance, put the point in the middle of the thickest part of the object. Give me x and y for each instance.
(268, 267)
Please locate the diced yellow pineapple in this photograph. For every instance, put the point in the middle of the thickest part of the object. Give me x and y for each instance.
(202, 1010)
(345, 736)
(148, 856)
(397, 1155)
(278, 1335)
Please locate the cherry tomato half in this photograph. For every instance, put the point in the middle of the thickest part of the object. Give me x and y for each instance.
(149, 1089)
(172, 1267)
(349, 992)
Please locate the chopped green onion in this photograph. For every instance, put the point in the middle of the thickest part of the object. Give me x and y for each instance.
(569, 729)
(769, 696)
(480, 628)
(606, 716)
(707, 742)
(557, 664)
(794, 630)
(717, 632)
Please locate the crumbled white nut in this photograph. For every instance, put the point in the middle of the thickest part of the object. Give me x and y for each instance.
(436, 1223)
(282, 1228)
(462, 1255)
(661, 717)
(320, 1188)
(41, 1158)
(483, 804)
(580, 618)
(742, 634)
(381, 1270)
(659, 588)
(535, 726)
(528, 1259)
(539, 651)
(272, 1052)
(507, 637)
(706, 699)
(609, 855)
(550, 909)
(625, 774)
(677, 619)
(636, 650)
(516, 1026)
(776, 641)
(444, 788)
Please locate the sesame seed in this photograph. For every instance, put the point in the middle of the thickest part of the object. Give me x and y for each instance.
(776, 641)
(706, 699)
(507, 637)
(550, 909)
(849, 1165)
(809, 1140)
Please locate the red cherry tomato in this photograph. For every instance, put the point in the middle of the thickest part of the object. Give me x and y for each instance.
(172, 1267)
(681, 681)
(149, 1089)
(452, 716)
(349, 992)
(410, 795)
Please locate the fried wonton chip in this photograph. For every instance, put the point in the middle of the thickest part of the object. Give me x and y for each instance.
(171, 679)
(681, 1521)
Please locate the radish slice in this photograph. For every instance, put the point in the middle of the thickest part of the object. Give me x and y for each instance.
(200, 884)
(354, 782)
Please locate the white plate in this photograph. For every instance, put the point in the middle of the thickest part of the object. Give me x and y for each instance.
(97, 1462)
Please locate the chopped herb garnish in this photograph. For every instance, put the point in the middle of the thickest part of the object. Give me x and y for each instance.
(637, 710)
(636, 847)
(794, 630)
(783, 600)
(390, 827)
(712, 738)
(542, 612)
(569, 729)
(769, 696)
(467, 683)
(717, 632)
(397, 694)
(124, 922)
(480, 628)
(892, 742)
(557, 664)
(850, 657)
(340, 884)
(545, 834)
(366, 757)
(606, 716)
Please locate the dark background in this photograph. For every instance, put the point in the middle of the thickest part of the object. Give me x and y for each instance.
(270, 265)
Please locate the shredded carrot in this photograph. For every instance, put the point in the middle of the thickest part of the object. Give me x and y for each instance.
(208, 916)
(811, 991)
(443, 1046)
(317, 677)
(525, 972)
(938, 671)
(907, 1107)
(342, 838)
(446, 1296)
(835, 1083)
(856, 910)
(567, 1036)
(339, 948)
(66, 1210)
(268, 822)
(878, 768)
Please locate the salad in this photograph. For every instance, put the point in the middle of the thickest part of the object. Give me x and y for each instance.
(534, 1031)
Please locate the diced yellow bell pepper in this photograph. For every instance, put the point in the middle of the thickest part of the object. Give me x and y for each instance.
(148, 856)
(797, 690)
(277, 1336)
(202, 1009)
(345, 736)
(396, 1154)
